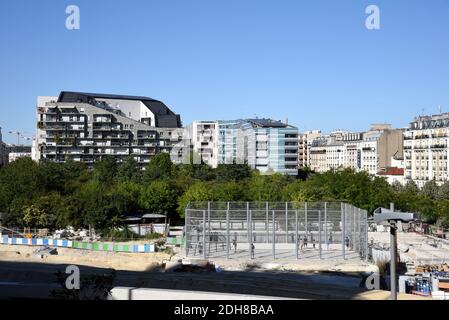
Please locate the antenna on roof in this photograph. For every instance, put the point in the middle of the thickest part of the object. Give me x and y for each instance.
(440, 109)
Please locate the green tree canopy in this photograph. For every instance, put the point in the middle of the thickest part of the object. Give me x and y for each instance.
(160, 167)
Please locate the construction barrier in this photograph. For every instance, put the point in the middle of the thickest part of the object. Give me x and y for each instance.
(96, 246)
(176, 241)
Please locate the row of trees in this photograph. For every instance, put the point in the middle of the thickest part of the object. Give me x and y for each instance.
(57, 195)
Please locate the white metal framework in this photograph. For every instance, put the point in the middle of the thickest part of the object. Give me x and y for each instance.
(297, 230)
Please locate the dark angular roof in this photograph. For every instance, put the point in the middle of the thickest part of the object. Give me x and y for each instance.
(165, 118)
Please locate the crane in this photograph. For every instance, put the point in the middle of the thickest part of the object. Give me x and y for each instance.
(20, 135)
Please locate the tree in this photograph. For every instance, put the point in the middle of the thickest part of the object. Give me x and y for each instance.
(233, 172)
(128, 171)
(160, 167)
(411, 187)
(94, 206)
(21, 178)
(430, 189)
(426, 207)
(266, 187)
(397, 186)
(35, 217)
(443, 213)
(292, 190)
(158, 197)
(443, 191)
(105, 170)
(125, 197)
(198, 192)
(229, 191)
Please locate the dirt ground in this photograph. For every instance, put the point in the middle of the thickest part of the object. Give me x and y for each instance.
(100, 259)
(307, 279)
(147, 261)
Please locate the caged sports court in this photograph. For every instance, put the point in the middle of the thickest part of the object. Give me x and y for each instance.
(277, 230)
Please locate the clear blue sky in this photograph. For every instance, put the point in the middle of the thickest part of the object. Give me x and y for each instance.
(313, 62)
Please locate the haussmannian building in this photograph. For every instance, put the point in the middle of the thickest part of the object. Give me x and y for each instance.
(370, 151)
(426, 149)
(86, 127)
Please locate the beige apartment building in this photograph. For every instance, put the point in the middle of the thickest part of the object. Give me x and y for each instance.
(369, 151)
(426, 149)
(305, 140)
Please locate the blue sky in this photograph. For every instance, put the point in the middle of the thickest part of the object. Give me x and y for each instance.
(313, 62)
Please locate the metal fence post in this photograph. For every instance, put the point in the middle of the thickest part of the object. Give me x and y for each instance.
(267, 224)
(187, 232)
(247, 221)
(250, 242)
(204, 235)
(354, 238)
(305, 219)
(296, 235)
(286, 222)
(359, 231)
(366, 236)
(319, 232)
(274, 238)
(227, 232)
(325, 223)
(343, 231)
(208, 224)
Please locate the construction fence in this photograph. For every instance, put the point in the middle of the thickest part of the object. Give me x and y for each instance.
(96, 246)
(290, 230)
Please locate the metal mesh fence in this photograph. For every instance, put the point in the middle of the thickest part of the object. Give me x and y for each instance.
(281, 230)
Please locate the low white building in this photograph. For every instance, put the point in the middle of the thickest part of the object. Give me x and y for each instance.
(16, 152)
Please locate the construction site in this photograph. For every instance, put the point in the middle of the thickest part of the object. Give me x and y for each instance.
(242, 250)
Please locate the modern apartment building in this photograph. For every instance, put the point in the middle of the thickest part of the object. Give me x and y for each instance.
(264, 144)
(369, 151)
(86, 127)
(227, 142)
(3, 151)
(268, 146)
(426, 149)
(204, 140)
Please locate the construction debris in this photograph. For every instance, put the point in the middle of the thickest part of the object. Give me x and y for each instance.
(45, 251)
(433, 268)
